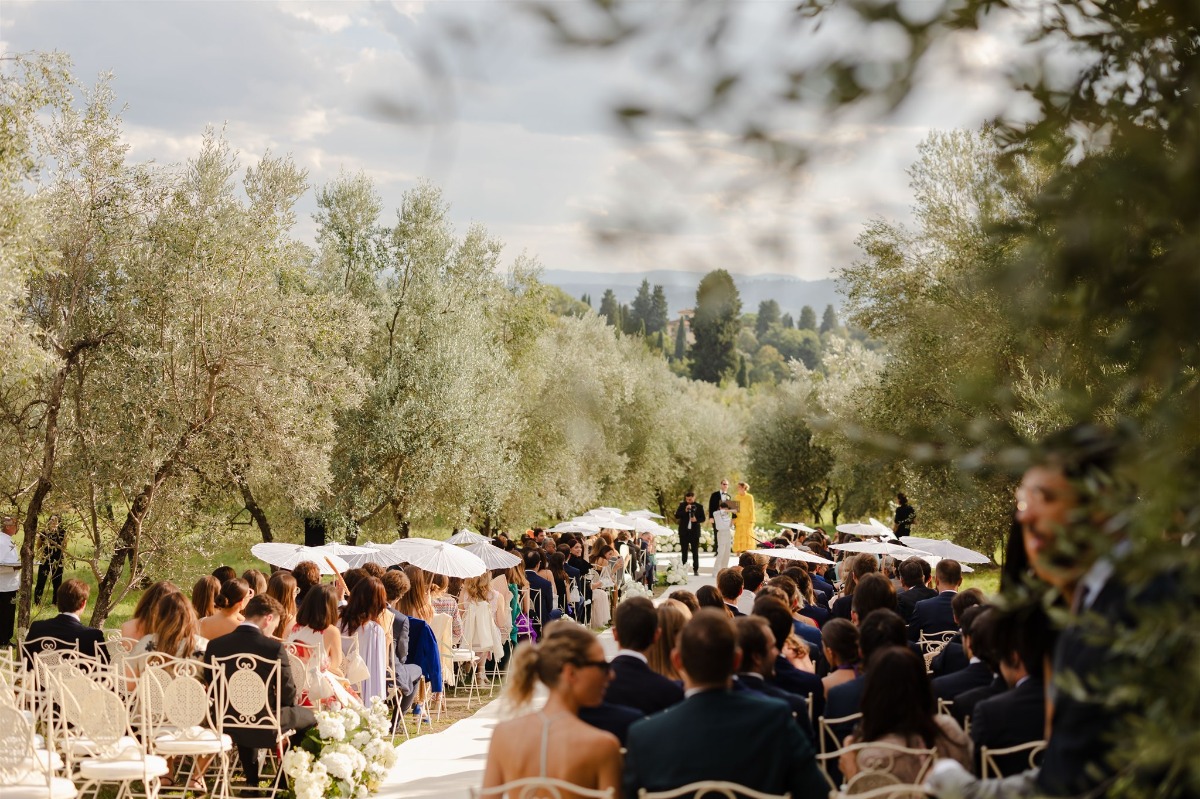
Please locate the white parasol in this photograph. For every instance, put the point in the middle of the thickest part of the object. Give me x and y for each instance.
(791, 553)
(354, 556)
(883, 529)
(861, 530)
(584, 528)
(932, 560)
(439, 557)
(880, 548)
(493, 556)
(469, 537)
(946, 549)
(644, 514)
(286, 556)
(803, 528)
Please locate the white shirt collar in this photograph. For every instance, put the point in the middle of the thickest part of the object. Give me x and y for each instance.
(632, 654)
(74, 616)
(1022, 681)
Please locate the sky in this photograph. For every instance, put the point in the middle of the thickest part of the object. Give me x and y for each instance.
(516, 131)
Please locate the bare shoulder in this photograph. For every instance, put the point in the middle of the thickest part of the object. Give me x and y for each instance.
(598, 742)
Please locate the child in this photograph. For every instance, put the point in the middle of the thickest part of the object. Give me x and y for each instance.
(480, 633)
(723, 524)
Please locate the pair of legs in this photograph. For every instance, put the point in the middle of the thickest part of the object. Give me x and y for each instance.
(693, 542)
(8, 617)
(724, 548)
(53, 568)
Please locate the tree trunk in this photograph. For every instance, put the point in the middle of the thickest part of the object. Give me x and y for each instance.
(816, 508)
(402, 524)
(130, 534)
(837, 507)
(352, 536)
(256, 512)
(660, 499)
(45, 479)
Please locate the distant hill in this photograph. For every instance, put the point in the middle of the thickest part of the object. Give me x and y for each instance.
(791, 293)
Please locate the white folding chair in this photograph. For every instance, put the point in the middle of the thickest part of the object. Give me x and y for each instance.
(990, 766)
(26, 773)
(452, 658)
(711, 789)
(887, 792)
(879, 768)
(539, 788)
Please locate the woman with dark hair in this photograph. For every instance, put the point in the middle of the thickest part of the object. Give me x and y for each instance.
(307, 575)
(146, 609)
(361, 631)
(230, 601)
(318, 641)
(709, 597)
(839, 641)
(204, 596)
(556, 563)
(898, 709)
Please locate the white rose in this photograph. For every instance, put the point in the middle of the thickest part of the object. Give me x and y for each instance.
(338, 765)
(361, 739)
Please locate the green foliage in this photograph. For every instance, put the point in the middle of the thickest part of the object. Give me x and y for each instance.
(794, 344)
(768, 315)
(785, 465)
(681, 344)
(656, 321)
(609, 308)
(787, 321)
(808, 318)
(829, 320)
(715, 325)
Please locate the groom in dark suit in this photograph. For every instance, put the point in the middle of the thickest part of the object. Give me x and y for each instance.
(250, 638)
(71, 599)
(759, 745)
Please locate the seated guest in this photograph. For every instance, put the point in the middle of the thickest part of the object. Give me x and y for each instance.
(316, 630)
(912, 578)
(840, 639)
(757, 643)
(282, 588)
(808, 597)
(553, 742)
(730, 586)
(204, 596)
(67, 626)
(361, 631)
(445, 603)
(752, 579)
(251, 637)
(174, 630)
(822, 587)
(147, 605)
(874, 592)
(1018, 715)
(787, 676)
(760, 744)
(256, 580)
(952, 657)
(795, 650)
(879, 629)
(223, 573)
(307, 575)
(932, 616)
(234, 595)
(707, 596)
(672, 615)
(854, 568)
(687, 598)
(977, 673)
(802, 626)
(898, 708)
(407, 672)
(634, 684)
(541, 590)
(983, 648)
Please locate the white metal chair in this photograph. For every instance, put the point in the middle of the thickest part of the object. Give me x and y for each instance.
(988, 757)
(828, 738)
(711, 789)
(26, 773)
(878, 769)
(248, 699)
(177, 698)
(887, 792)
(452, 658)
(539, 788)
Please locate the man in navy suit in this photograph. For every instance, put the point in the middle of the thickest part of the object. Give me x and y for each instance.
(1018, 715)
(544, 605)
(71, 599)
(759, 653)
(730, 586)
(953, 656)
(758, 743)
(912, 577)
(787, 676)
(634, 684)
(932, 616)
(977, 673)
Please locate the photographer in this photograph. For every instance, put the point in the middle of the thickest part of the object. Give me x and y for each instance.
(690, 515)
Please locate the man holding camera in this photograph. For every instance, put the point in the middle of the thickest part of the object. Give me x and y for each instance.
(690, 515)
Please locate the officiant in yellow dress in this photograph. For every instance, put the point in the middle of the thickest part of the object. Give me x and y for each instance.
(743, 524)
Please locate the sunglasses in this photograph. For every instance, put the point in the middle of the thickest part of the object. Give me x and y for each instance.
(599, 664)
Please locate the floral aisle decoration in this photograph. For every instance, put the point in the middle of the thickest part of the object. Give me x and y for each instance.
(345, 755)
(633, 588)
(673, 574)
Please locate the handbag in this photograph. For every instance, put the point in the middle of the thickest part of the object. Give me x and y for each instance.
(573, 595)
(353, 666)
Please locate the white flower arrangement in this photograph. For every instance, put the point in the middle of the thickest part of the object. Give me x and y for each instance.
(634, 588)
(345, 756)
(673, 574)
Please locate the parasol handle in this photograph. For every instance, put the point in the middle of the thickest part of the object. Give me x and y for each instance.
(336, 572)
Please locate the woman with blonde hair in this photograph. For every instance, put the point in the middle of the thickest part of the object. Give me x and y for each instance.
(175, 631)
(204, 595)
(282, 588)
(553, 742)
(743, 522)
(142, 620)
(672, 615)
(230, 602)
(480, 633)
(416, 601)
(443, 602)
(256, 580)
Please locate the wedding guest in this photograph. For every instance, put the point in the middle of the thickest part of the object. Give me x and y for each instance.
(898, 708)
(481, 635)
(316, 629)
(415, 650)
(758, 666)
(71, 599)
(672, 616)
(553, 742)
(416, 602)
(441, 602)
(787, 676)
(840, 640)
(223, 573)
(230, 602)
(796, 651)
(855, 568)
(10, 580)
(634, 684)
(687, 598)
(147, 605)
(204, 596)
(307, 575)
(359, 624)
(175, 630)
(282, 588)
(256, 580)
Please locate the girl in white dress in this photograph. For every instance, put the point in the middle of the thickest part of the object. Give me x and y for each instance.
(480, 633)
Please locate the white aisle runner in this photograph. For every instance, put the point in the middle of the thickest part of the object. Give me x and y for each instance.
(445, 764)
